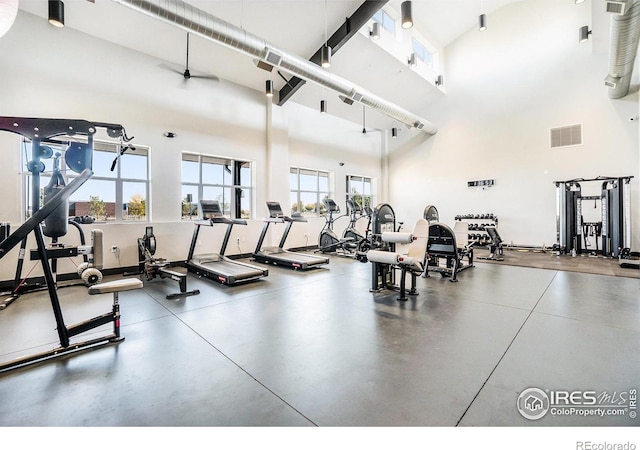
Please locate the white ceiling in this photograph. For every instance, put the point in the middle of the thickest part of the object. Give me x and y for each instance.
(297, 26)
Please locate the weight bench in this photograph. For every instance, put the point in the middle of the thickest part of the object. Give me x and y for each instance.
(496, 253)
(411, 262)
(443, 243)
(115, 287)
(66, 332)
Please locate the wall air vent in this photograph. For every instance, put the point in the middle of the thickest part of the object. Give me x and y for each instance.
(566, 136)
(618, 7)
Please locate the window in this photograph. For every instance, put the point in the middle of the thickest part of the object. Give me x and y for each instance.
(118, 195)
(308, 189)
(359, 189)
(215, 178)
(422, 52)
(386, 21)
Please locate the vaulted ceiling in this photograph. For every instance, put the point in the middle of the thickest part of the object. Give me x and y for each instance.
(296, 26)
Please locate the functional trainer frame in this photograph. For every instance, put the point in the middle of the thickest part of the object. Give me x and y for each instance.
(80, 160)
(614, 227)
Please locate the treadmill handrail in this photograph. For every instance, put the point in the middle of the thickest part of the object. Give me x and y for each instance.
(211, 222)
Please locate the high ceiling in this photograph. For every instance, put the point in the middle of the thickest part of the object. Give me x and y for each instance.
(296, 26)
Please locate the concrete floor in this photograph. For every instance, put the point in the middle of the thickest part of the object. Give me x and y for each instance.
(317, 348)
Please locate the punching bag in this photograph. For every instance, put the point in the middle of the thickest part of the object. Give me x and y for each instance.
(55, 224)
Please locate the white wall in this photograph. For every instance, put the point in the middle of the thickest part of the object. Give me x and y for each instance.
(62, 73)
(506, 88)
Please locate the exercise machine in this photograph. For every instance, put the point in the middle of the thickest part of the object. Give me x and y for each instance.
(55, 226)
(496, 252)
(356, 212)
(216, 266)
(152, 267)
(625, 260)
(430, 214)
(88, 271)
(328, 240)
(79, 159)
(443, 244)
(612, 224)
(383, 220)
(365, 244)
(278, 255)
(411, 262)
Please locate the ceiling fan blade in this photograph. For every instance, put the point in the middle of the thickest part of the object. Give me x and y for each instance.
(206, 77)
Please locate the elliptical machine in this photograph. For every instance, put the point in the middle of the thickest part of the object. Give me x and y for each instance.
(351, 232)
(328, 240)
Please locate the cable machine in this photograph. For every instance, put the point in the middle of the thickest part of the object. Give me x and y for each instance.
(611, 232)
(53, 216)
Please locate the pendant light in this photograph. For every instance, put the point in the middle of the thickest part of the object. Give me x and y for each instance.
(8, 13)
(269, 88)
(407, 16)
(56, 13)
(325, 53)
(482, 20)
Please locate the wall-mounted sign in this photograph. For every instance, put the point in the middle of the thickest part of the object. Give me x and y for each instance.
(481, 183)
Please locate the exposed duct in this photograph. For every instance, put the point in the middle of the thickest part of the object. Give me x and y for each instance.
(624, 37)
(196, 21)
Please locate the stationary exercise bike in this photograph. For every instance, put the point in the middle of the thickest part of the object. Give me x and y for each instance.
(328, 240)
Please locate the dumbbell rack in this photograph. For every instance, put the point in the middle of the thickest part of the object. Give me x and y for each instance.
(477, 227)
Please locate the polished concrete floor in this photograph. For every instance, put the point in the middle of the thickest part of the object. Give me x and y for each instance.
(317, 348)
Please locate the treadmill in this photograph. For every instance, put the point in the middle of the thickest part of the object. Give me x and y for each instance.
(216, 266)
(277, 255)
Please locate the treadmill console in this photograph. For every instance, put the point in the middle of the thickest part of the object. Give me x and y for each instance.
(275, 211)
(210, 209)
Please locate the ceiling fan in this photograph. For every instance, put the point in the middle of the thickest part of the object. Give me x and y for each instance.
(186, 74)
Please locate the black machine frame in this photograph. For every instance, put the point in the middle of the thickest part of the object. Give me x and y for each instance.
(152, 267)
(442, 243)
(383, 219)
(39, 130)
(328, 239)
(614, 228)
(356, 212)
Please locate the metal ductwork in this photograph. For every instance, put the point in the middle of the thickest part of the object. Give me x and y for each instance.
(196, 21)
(624, 37)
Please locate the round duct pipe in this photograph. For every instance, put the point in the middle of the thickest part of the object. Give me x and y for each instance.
(196, 21)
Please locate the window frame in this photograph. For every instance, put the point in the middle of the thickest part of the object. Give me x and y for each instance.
(320, 194)
(386, 22)
(421, 50)
(364, 196)
(236, 186)
(99, 146)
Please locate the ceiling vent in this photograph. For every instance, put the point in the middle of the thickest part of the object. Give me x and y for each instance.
(273, 58)
(566, 136)
(618, 7)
